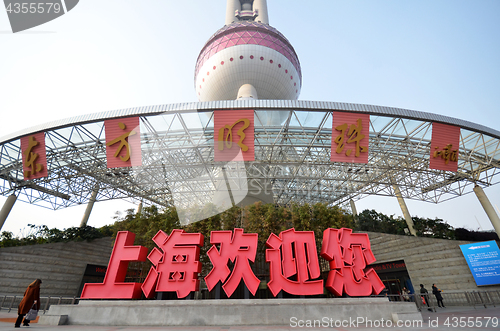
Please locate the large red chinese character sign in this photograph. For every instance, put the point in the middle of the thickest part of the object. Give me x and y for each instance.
(444, 147)
(34, 156)
(123, 142)
(350, 136)
(234, 132)
(239, 248)
(292, 257)
(114, 286)
(176, 265)
(293, 254)
(349, 254)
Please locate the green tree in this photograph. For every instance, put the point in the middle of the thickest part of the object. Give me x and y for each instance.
(370, 220)
(434, 228)
(265, 219)
(147, 223)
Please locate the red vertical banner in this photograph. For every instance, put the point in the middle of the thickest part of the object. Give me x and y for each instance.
(123, 142)
(350, 137)
(444, 147)
(234, 132)
(34, 156)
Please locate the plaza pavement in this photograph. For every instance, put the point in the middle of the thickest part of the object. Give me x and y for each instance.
(431, 321)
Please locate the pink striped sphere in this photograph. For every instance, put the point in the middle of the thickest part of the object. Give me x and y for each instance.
(247, 53)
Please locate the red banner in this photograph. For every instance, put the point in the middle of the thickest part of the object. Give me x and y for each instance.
(234, 133)
(123, 142)
(34, 156)
(444, 147)
(350, 136)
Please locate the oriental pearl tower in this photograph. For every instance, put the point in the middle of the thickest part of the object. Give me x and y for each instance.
(247, 58)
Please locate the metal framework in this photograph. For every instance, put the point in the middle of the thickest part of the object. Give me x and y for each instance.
(292, 153)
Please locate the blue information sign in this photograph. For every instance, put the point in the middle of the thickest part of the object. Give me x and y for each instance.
(484, 262)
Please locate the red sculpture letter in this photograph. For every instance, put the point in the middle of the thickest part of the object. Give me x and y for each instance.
(349, 254)
(114, 287)
(177, 267)
(300, 260)
(240, 249)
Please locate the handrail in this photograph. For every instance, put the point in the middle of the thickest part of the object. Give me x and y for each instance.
(45, 302)
(451, 298)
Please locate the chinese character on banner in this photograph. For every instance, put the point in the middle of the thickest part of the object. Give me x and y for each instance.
(349, 254)
(114, 286)
(350, 136)
(293, 254)
(239, 248)
(123, 142)
(444, 147)
(34, 156)
(234, 131)
(176, 266)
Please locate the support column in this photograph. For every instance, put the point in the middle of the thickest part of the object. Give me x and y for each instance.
(261, 6)
(488, 208)
(354, 210)
(405, 211)
(231, 7)
(139, 208)
(7, 207)
(90, 205)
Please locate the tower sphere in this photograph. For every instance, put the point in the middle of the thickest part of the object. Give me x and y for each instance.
(247, 52)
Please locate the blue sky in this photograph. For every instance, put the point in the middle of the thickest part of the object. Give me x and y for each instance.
(439, 56)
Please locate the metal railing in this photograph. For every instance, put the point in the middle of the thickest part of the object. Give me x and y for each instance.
(421, 303)
(484, 298)
(452, 298)
(9, 302)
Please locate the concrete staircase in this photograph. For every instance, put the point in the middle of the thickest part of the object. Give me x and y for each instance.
(60, 266)
(428, 260)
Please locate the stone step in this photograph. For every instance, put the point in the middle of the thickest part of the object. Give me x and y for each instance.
(409, 246)
(45, 275)
(438, 263)
(60, 266)
(10, 259)
(41, 265)
(61, 251)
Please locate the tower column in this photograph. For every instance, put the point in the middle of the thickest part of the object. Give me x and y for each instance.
(261, 6)
(488, 208)
(90, 205)
(7, 207)
(405, 211)
(247, 92)
(231, 7)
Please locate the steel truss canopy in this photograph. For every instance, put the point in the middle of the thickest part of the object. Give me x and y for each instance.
(292, 156)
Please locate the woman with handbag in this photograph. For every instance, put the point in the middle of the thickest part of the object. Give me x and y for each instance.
(30, 300)
(437, 294)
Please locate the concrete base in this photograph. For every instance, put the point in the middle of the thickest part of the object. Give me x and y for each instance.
(234, 312)
(53, 320)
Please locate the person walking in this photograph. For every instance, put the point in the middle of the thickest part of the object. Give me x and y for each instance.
(437, 294)
(424, 294)
(31, 297)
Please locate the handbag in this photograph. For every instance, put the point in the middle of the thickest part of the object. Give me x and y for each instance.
(32, 314)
